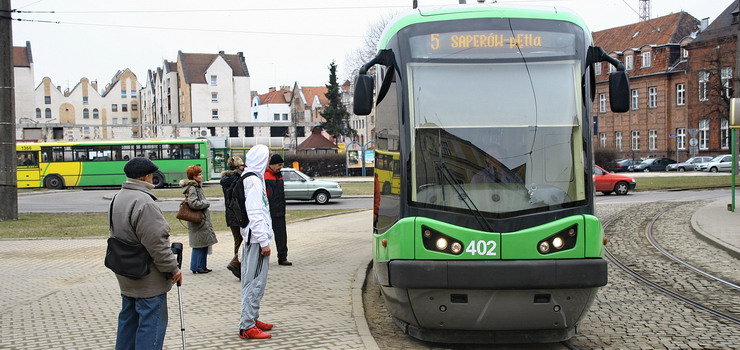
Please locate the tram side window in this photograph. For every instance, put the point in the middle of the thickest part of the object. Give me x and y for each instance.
(387, 208)
(27, 158)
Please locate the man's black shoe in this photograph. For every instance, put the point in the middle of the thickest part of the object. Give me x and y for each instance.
(235, 270)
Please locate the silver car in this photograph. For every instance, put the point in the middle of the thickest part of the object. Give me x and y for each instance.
(718, 163)
(689, 165)
(303, 187)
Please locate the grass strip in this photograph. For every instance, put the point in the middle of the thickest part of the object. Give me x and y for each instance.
(62, 225)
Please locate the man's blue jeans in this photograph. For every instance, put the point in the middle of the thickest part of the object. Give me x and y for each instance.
(142, 323)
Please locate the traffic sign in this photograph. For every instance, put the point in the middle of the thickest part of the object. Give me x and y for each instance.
(693, 142)
(693, 132)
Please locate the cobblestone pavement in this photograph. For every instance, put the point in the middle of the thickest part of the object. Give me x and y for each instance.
(626, 313)
(58, 295)
(630, 315)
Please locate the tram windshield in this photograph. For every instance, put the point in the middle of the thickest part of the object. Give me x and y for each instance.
(503, 136)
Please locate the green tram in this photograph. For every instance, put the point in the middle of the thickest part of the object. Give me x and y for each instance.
(491, 237)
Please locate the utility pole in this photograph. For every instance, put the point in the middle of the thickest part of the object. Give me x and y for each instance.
(8, 189)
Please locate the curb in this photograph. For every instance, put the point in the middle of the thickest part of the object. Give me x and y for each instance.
(711, 239)
(358, 308)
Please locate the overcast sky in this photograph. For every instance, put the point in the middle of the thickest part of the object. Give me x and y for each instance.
(283, 41)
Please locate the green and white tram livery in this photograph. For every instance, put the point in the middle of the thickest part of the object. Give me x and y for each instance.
(491, 237)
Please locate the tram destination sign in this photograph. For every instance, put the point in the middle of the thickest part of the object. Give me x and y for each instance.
(478, 44)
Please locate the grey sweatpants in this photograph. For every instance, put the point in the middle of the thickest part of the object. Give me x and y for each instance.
(254, 280)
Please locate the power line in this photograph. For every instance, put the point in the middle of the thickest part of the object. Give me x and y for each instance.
(215, 10)
(184, 29)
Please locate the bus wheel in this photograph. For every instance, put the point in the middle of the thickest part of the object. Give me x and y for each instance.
(54, 182)
(386, 188)
(158, 180)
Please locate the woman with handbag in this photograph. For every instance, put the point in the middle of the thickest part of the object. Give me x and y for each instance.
(201, 235)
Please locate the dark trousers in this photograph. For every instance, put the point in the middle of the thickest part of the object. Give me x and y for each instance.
(236, 232)
(281, 237)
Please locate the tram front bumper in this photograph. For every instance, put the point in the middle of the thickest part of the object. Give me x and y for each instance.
(493, 274)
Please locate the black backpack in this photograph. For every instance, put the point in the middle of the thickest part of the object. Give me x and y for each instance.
(235, 199)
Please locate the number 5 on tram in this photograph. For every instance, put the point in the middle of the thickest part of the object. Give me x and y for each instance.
(491, 236)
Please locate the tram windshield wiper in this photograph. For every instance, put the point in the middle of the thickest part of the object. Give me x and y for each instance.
(463, 195)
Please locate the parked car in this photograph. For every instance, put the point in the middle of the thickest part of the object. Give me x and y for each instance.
(606, 182)
(688, 165)
(303, 187)
(654, 164)
(718, 163)
(623, 165)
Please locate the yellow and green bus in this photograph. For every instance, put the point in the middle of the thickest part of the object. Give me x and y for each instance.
(388, 171)
(58, 165)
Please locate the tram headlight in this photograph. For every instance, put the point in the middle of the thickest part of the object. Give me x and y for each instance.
(441, 244)
(456, 247)
(558, 243)
(563, 240)
(544, 247)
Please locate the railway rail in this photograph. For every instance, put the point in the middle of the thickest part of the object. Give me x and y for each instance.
(722, 313)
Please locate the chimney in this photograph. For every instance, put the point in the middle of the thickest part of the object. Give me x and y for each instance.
(220, 52)
(704, 24)
(94, 84)
(272, 89)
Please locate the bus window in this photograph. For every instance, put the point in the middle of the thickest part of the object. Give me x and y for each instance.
(127, 152)
(190, 151)
(100, 153)
(27, 159)
(171, 151)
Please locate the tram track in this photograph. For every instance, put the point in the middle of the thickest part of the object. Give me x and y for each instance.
(700, 299)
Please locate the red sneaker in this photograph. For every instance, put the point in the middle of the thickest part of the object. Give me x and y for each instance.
(262, 325)
(254, 333)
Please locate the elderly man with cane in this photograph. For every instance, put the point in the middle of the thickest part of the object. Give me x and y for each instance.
(135, 218)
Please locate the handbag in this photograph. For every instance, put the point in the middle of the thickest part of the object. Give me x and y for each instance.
(129, 259)
(189, 214)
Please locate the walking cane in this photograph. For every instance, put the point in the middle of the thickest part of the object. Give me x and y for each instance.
(177, 250)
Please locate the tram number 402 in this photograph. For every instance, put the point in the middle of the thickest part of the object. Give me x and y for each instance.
(481, 248)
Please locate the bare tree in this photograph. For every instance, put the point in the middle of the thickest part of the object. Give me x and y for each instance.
(363, 54)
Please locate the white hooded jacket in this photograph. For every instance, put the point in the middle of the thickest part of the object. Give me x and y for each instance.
(258, 208)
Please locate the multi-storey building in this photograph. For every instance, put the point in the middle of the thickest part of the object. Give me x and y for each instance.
(159, 102)
(23, 91)
(46, 113)
(200, 95)
(655, 56)
(306, 105)
(711, 75)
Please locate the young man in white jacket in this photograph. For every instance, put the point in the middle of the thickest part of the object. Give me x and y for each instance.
(256, 253)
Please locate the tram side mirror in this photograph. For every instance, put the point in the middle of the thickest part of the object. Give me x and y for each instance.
(363, 98)
(619, 87)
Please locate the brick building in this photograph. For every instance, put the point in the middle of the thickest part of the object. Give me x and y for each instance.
(655, 57)
(712, 63)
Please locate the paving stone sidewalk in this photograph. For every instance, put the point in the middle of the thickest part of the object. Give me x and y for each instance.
(56, 294)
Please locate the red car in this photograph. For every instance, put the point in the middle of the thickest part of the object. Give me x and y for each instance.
(606, 182)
